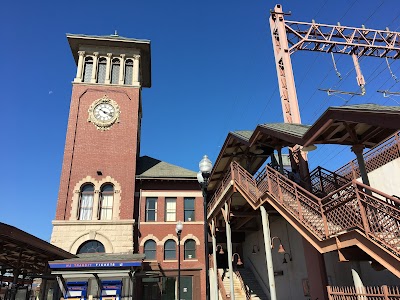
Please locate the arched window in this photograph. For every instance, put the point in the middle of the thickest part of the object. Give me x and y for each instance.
(86, 202)
(106, 202)
(91, 246)
(101, 70)
(169, 250)
(115, 71)
(190, 249)
(150, 249)
(87, 72)
(128, 71)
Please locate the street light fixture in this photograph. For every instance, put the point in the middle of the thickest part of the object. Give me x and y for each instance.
(178, 229)
(203, 175)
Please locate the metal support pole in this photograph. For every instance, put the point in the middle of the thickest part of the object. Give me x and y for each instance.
(268, 253)
(214, 244)
(206, 262)
(229, 248)
(279, 148)
(179, 265)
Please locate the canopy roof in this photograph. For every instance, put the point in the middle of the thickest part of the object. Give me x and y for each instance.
(366, 124)
(23, 251)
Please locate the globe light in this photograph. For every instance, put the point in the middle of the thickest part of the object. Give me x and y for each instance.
(205, 165)
(200, 178)
(179, 227)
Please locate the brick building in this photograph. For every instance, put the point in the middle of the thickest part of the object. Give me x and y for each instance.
(114, 205)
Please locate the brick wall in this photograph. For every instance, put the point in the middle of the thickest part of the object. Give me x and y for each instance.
(88, 149)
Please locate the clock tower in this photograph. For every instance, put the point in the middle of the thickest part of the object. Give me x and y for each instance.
(95, 208)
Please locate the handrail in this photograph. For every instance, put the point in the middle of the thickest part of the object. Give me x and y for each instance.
(374, 158)
(221, 187)
(243, 285)
(222, 287)
(383, 292)
(253, 267)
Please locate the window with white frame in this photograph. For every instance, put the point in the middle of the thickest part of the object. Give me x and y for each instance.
(170, 209)
(151, 209)
(88, 68)
(85, 208)
(101, 70)
(115, 71)
(106, 202)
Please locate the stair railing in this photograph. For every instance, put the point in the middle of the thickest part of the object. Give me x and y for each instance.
(243, 285)
(324, 181)
(260, 279)
(376, 157)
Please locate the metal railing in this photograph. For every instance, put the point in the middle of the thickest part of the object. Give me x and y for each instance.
(383, 292)
(324, 181)
(376, 157)
(243, 285)
(352, 206)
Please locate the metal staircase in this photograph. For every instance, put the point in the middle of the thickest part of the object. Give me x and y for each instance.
(352, 216)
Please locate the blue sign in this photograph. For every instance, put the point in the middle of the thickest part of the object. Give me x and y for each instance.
(93, 265)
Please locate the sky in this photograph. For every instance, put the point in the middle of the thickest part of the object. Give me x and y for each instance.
(213, 71)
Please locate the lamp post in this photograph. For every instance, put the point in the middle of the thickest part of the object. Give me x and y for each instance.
(203, 175)
(178, 230)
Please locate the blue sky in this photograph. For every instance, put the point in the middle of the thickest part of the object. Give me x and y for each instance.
(212, 72)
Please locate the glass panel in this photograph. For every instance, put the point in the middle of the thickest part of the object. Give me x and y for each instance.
(150, 249)
(151, 209)
(170, 209)
(106, 207)
(115, 71)
(168, 288)
(87, 73)
(91, 247)
(128, 71)
(86, 207)
(190, 249)
(170, 250)
(189, 209)
(101, 71)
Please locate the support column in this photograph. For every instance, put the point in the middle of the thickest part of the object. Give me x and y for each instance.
(214, 245)
(268, 253)
(94, 70)
(229, 248)
(122, 69)
(358, 284)
(108, 68)
(316, 271)
(358, 151)
(79, 69)
(136, 68)
(279, 149)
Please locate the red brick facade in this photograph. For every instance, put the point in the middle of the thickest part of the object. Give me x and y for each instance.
(88, 149)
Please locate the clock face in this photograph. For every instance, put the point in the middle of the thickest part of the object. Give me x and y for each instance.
(104, 113)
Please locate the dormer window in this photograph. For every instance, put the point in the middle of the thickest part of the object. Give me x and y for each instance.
(87, 72)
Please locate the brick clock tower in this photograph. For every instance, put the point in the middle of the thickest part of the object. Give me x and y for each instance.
(95, 208)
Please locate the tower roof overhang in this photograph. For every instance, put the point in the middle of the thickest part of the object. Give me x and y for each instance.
(76, 41)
